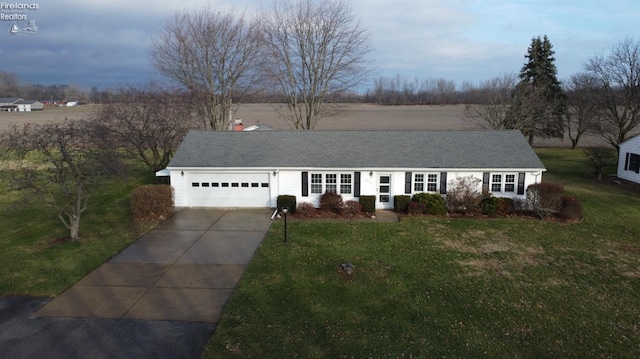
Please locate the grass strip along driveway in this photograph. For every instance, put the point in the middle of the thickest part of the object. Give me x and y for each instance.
(448, 287)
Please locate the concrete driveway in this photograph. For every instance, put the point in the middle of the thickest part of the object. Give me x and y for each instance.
(159, 298)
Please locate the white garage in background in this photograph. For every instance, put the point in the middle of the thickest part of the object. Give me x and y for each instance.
(251, 169)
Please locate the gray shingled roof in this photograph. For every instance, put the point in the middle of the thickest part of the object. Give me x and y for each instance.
(9, 99)
(357, 149)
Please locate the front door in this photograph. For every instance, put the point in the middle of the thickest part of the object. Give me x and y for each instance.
(384, 191)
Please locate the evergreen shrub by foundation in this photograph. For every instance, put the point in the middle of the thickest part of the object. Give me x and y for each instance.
(368, 204)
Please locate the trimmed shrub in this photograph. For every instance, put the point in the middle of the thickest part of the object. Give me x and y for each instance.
(352, 208)
(287, 200)
(368, 204)
(331, 201)
(306, 209)
(401, 203)
(464, 195)
(497, 206)
(489, 206)
(152, 202)
(415, 207)
(505, 206)
(433, 203)
(570, 208)
(545, 198)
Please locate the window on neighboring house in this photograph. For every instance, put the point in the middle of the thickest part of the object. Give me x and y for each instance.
(316, 183)
(634, 163)
(331, 180)
(432, 182)
(503, 182)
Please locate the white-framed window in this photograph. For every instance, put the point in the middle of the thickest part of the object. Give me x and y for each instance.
(496, 183)
(503, 182)
(418, 182)
(425, 181)
(510, 183)
(316, 183)
(345, 183)
(331, 182)
(432, 182)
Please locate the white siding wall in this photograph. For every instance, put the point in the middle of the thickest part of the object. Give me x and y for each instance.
(632, 145)
(180, 188)
(289, 182)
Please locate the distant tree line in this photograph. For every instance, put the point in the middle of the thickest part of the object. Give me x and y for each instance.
(11, 86)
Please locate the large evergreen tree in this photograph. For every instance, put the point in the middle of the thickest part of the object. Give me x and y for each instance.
(538, 100)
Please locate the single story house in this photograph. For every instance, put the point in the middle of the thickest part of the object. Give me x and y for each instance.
(629, 159)
(251, 169)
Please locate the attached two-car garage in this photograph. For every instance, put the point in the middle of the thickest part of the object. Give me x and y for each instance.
(229, 190)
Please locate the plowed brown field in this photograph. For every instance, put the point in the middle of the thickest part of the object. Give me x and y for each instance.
(351, 117)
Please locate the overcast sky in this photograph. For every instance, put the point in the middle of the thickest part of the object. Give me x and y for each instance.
(105, 43)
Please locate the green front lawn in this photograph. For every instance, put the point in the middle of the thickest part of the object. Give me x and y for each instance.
(448, 287)
(425, 287)
(31, 264)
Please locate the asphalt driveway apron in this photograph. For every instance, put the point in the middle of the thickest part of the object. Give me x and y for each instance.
(185, 269)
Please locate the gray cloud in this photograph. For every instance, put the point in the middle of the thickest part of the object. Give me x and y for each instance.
(105, 43)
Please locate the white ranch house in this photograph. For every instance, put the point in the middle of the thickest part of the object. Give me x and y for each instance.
(251, 169)
(629, 160)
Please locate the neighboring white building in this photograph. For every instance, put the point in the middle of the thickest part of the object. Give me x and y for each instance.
(629, 160)
(16, 104)
(251, 169)
(8, 104)
(29, 105)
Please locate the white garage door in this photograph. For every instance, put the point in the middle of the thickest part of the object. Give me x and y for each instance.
(229, 190)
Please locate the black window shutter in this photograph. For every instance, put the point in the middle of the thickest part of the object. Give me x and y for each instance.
(407, 182)
(521, 176)
(626, 162)
(485, 182)
(305, 184)
(356, 184)
(443, 182)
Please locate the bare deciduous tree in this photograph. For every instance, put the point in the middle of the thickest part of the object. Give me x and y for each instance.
(214, 54)
(314, 49)
(581, 110)
(148, 122)
(494, 97)
(59, 163)
(9, 84)
(599, 158)
(618, 79)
